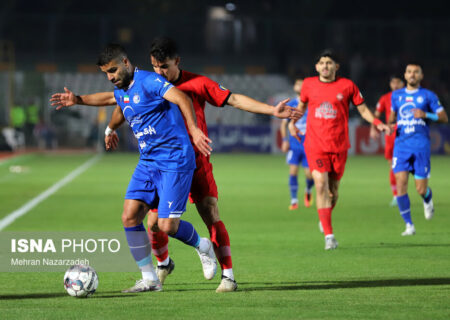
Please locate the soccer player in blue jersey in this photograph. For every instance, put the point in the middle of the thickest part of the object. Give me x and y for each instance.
(296, 154)
(413, 108)
(163, 175)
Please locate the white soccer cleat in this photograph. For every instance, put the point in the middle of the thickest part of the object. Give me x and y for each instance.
(320, 227)
(330, 242)
(409, 231)
(163, 271)
(227, 285)
(144, 285)
(428, 209)
(208, 260)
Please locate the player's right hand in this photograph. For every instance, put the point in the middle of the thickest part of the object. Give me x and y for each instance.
(112, 141)
(374, 133)
(201, 141)
(66, 99)
(294, 131)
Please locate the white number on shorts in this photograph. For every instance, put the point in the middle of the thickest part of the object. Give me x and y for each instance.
(394, 162)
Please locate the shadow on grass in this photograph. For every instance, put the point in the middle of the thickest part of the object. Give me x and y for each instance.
(329, 285)
(101, 295)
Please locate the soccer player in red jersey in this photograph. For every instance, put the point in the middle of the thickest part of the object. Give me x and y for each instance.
(327, 98)
(384, 105)
(165, 60)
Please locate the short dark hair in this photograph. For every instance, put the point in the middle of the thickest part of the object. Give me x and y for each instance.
(163, 48)
(414, 63)
(395, 76)
(110, 52)
(327, 53)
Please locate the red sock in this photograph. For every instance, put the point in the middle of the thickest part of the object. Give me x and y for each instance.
(325, 220)
(160, 242)
(221, 240)
(393, 183)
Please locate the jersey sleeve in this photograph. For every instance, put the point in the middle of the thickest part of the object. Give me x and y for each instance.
(435, 104)
(213, 92)
(356, 95)
(292, 103)
(157, 85)
(304, 92)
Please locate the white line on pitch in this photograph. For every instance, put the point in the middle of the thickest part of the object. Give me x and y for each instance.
(10, 218)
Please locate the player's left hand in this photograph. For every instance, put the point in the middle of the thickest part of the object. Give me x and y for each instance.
(61, 100)
(383, 127)
(201, 141)
(294, 131)
(112, 141)
(418, 113)
(282, 111)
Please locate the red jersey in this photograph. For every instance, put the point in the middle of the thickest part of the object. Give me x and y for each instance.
(328, 109)
(384, 105)
(201, 89)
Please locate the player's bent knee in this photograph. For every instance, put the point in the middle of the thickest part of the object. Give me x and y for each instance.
(169, 226)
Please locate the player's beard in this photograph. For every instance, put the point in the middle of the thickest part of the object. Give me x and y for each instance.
(125, 78)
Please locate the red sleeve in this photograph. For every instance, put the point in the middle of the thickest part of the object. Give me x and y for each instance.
(214, 93)
(356, 95)
(304, 92)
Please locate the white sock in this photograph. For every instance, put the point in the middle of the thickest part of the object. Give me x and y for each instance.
(203, 246)
(329, 236)
(228, 273)
(148, 272)
(294, 201)
(165, 262)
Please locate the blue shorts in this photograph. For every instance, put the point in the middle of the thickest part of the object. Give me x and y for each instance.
(166, 190)
(416, 162)
(297, 156)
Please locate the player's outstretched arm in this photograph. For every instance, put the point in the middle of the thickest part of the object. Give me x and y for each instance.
(281, 110)
(200, 140)
(111, 137)
(284, 136)
(438, 117)
(374, 133)
(68, 99)
(367, 115)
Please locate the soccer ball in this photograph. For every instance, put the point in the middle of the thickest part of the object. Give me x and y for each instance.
(80, 281)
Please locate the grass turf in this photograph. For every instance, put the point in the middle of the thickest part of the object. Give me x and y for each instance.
(279, 262)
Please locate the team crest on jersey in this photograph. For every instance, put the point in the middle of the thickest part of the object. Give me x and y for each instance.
(340, 96)
(222, 87)
(326, 111)
(136, 98)
(420, 99)
(126, 99)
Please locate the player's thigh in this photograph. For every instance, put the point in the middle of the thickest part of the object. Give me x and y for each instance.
(334, 186)
(203, 183)
(422, 165)
(338, 161)
(142, 185)
(293, 157)
(402, 161)
(320, 181)
(173, 191)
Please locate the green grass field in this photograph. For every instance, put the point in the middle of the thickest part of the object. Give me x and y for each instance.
(279, 259)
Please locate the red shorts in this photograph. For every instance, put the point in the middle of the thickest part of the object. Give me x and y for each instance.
(203, 183)
(389, 146)
(331, 162)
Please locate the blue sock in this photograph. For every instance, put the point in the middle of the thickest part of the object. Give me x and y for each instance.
(405, 208)
(293, 186)
(139, 244)
(427, 197)
(187, 234)
(309, 185)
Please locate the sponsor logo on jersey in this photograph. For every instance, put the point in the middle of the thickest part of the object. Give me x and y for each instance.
(130, 115)
(136, 98)
(405, 110)
(170, 203)
(326, 111)
(158, 79)
(166, 84)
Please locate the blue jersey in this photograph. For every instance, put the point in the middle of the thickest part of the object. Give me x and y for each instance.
(156, 123)
(300, 124)
(412, 133)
